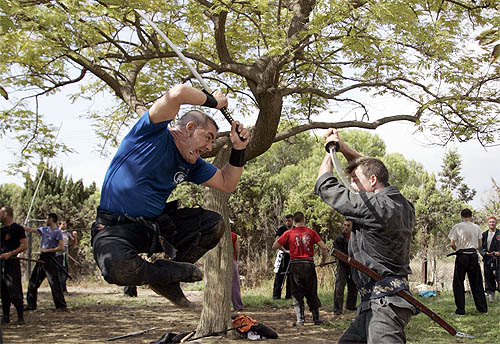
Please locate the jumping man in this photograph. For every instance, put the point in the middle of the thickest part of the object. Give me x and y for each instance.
(133, 216)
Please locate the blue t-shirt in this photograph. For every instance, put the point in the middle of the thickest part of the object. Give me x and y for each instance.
(50, 237)
(146, 169)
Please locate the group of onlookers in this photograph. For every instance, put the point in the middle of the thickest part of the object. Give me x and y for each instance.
(51, 264)
(467, 240)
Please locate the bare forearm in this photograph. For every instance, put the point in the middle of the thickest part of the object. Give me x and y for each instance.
(349, 153)
(231, 176)
(277, 245)
(30, 230)
(324, 255)
(326, 165)
(22, 247)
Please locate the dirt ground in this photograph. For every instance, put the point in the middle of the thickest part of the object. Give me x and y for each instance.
(96, 314)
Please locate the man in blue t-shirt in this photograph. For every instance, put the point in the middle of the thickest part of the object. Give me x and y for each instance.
(133, 216)
(52, 242)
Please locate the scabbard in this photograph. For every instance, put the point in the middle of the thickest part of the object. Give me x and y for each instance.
(403, 293)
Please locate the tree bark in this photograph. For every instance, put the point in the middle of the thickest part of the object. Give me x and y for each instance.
(216, 313)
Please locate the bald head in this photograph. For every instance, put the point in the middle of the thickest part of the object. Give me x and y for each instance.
(200, 119)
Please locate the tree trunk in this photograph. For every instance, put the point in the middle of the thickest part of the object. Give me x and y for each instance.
(216, 313)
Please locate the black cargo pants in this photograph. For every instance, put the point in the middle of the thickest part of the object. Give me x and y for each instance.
(116, 247)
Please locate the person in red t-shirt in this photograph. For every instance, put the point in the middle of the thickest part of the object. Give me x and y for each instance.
(301, 241)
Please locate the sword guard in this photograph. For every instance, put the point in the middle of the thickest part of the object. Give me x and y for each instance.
(332, 144)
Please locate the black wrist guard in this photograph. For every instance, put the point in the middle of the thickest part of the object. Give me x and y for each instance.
(211, 102)
(237, 157)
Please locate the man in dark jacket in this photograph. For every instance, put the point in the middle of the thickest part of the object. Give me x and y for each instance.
(281, 262)
(344, 275)
(383, 222)
(491, 258)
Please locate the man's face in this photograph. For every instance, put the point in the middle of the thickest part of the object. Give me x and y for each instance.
(49, 221)
(360, 182)
(347, 226)
(202, 141)
(492, 223)
(62, 225)
(288, 223)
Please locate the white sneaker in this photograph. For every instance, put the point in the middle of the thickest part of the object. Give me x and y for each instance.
(491, 297)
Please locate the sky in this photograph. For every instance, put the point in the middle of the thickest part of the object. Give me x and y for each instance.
(479, 165)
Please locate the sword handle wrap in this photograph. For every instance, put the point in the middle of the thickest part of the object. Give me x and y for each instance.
(230, 119)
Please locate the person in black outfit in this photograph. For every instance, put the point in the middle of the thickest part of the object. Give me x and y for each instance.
(491, 258)
(281, 263)
(13, 241)
(344, 275)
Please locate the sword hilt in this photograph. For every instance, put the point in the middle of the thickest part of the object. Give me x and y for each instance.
(230, 119)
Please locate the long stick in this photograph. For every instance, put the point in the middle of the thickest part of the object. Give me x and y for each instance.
(403, 293)
(29, 260)
(54, 260)
(130, 334)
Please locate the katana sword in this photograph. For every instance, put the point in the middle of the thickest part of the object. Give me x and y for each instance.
(195, 73)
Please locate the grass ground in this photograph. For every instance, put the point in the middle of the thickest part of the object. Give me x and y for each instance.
(99, 311)
(421, 329)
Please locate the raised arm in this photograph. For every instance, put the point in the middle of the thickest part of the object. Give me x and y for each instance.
(31, 230)
(227, 178)
(167, 107)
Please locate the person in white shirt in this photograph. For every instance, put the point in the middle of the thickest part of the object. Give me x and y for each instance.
(465, 239)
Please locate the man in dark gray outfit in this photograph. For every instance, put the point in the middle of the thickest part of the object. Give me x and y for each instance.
(383, 222)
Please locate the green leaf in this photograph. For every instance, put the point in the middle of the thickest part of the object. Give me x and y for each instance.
(495, 53)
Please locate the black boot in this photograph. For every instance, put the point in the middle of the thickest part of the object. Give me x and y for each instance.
(5, 319)
(173, 293)
(315, 314)
(130, 291)
(299, 312)
(20, 319)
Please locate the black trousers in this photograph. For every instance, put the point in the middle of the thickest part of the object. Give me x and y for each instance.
(12, 292)
(49, 270)
(468, 264)
(280, 277)
(342, 278)
(62, 276)
(116, 248)
(492, 276)
(304, 283)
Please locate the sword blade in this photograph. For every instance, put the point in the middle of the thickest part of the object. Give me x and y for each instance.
(177, 51)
